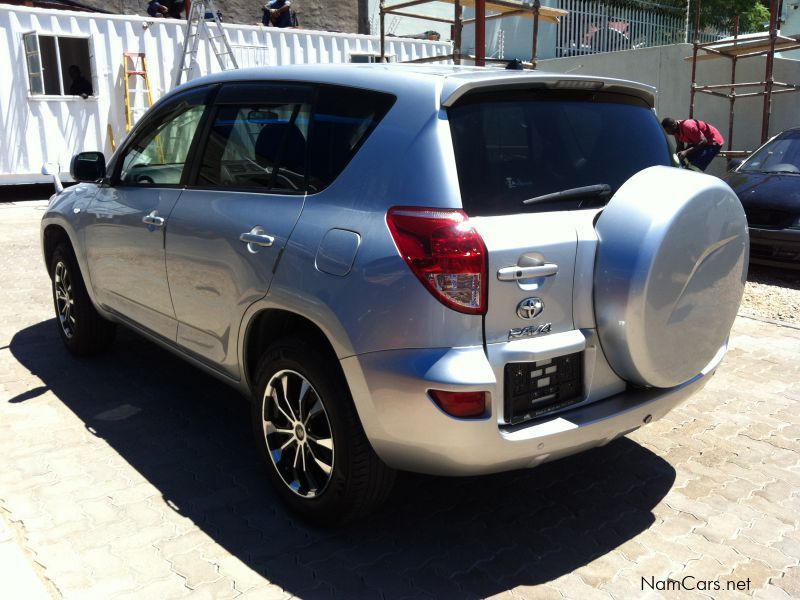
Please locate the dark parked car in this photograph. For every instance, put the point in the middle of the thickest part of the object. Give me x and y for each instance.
(768, 186)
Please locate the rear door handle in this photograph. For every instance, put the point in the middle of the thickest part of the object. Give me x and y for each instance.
(257, 237)
(154, 219)
(516, 272)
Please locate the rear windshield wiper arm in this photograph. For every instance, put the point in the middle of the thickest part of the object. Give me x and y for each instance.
(599, 189)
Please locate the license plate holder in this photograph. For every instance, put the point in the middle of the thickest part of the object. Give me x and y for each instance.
(533, 389)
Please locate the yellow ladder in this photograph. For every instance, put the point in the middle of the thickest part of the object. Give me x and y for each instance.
(135, 66)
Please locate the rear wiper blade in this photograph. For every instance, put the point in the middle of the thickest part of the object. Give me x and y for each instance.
(599, 189)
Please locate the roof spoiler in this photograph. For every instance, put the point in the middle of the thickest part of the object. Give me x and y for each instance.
(455, 89)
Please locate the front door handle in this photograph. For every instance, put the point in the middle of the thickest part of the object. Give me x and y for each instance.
(154, 219)
(257, 237)
(516, 272)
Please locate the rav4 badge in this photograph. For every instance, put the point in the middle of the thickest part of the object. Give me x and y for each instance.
(530, 331)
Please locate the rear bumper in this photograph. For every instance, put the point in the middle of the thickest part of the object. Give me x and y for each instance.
(408, 431)
(776, 247)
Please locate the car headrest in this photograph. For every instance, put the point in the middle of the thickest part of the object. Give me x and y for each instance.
(282, 142)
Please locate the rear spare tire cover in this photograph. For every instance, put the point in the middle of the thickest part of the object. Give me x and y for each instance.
(669, 274)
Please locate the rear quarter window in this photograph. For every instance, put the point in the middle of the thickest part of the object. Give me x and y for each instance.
(516, 145)
(342, 120)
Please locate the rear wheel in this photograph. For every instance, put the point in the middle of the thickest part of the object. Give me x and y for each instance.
(306, 427)
(82, 329)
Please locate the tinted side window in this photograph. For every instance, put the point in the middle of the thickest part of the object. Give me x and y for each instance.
(518, 145)
(343, 118)
(257, 145)
(157, 155)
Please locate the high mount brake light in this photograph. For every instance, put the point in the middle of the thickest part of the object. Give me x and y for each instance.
(444, 252)
(578, 84)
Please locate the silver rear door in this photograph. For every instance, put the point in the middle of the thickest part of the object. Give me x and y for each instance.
(518, 145)
(530, 273)
(230, 226)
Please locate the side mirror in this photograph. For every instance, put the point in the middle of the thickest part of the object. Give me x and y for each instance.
(734, 163)
(88, 166)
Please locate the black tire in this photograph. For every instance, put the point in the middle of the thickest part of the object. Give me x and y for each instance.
(358, 481)
(83, 331)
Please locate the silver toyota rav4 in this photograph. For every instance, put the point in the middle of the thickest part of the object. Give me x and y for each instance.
(446, 270)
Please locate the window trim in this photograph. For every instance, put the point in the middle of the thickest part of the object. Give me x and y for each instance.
(63, 96)
(51, 98)
(37, 52)
(60, 68)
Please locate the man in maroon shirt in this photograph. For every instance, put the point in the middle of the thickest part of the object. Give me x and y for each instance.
(698, 142)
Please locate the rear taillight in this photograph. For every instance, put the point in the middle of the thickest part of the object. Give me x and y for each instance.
(444, 252)
(460, 404)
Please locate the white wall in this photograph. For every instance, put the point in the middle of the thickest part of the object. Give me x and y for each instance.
(665, 68)
(39, 129)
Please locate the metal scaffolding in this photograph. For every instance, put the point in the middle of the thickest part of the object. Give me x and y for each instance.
(499, 8)
(748, 46)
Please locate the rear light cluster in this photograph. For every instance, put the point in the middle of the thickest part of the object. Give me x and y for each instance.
(444, 252)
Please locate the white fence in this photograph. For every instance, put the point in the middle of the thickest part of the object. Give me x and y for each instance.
(592, 27)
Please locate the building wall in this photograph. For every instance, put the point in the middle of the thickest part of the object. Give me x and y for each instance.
(312, 14)
(665, 68)
(517, 36)
(409, 26)
(38, 129)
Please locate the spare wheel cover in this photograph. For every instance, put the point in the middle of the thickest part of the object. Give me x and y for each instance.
(669, 274)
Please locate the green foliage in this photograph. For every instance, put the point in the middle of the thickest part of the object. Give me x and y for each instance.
(753, 14)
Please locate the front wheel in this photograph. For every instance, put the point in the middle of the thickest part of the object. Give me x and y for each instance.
(80, 326)
(306, 427)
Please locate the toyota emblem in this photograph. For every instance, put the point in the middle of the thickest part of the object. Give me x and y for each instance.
(530, 308)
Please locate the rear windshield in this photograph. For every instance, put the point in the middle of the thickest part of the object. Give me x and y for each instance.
(512, 146)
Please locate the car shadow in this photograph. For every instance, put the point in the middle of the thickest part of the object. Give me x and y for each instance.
(189, 436)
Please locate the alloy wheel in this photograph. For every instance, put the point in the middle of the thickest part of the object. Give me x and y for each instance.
(298, 433)
(65, 300)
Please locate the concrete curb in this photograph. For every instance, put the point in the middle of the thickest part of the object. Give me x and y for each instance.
(753, 317)
(19, 577)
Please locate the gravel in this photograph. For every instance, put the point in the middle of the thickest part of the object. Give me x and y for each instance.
(772, 294)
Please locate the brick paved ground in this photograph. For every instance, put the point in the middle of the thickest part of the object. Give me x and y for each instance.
(133, 476)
